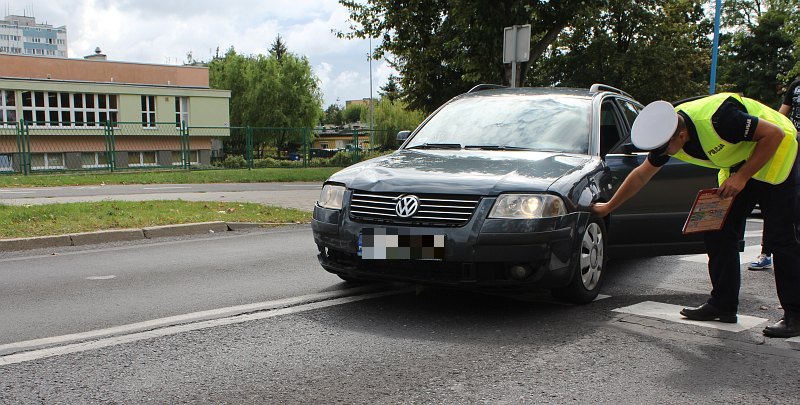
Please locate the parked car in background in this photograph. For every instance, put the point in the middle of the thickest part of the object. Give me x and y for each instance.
(493, 190)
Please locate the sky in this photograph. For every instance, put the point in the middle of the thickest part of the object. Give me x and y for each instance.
(163, 31)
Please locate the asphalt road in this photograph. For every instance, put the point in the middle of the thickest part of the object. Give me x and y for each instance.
(391, 344)
(299, 195)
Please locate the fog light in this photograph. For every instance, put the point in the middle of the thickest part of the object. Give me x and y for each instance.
(519, 272)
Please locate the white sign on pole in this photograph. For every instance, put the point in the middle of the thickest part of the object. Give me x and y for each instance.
(517, 43)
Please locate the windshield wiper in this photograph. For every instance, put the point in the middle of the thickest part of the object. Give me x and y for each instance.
(436, 146)
(496, 147)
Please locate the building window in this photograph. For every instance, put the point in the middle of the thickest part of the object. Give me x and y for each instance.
(42, 108)
(47, 161)
(181, 111)
(194, 157)
(6, 163)
(8, 109)
(93, 159)
(142, 159)
(148, 111)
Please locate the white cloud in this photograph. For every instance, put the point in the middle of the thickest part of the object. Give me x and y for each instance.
(158, 31)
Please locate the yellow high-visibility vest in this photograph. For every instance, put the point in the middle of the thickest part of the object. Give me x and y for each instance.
(723, 155)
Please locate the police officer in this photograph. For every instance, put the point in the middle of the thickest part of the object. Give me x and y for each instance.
(755, 149)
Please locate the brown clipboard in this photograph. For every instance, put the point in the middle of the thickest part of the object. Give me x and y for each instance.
(708, 213)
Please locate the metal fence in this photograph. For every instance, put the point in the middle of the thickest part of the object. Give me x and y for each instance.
(57, 146)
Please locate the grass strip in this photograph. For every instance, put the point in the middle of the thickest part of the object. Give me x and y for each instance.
(19, 221)
(170, 177)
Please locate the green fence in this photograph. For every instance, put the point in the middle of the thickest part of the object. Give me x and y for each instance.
(57, 146)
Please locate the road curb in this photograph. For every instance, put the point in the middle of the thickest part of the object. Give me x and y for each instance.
(122, 235)
(184, 229)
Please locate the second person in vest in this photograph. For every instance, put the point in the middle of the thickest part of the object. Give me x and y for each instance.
(754, 148)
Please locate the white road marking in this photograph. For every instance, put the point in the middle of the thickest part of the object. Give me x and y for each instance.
(185, 318)
(671, 312)
(173, 330)
(100, 277)
(16, 192)
(166, 188)
(601, 297)
(750, 252)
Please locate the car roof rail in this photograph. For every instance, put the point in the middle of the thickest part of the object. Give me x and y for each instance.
(604, 87)
(480, 87)
(686, 100)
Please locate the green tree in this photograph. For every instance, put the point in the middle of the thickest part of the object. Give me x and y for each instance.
(333, 115)
(653, 49)
(266, 93)
(390, 118)
(390, 90)
(353, 113)
(442, 48)
(760, 56)
(278, 48)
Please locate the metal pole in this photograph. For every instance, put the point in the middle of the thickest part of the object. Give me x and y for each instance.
(371, 108)
(514, 59)
(712, 85)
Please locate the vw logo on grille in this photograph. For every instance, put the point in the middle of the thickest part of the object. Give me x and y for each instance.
(407, 206)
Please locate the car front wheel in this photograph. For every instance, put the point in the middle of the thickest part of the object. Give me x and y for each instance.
(589, 266)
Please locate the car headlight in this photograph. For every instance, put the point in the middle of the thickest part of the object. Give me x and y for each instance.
(527, 206)
(331, 196)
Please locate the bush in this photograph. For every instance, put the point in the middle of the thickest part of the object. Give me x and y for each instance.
(234, 162)
(270, 162)
(342, 158)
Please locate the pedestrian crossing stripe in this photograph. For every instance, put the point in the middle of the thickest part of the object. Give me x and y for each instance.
(671, 313)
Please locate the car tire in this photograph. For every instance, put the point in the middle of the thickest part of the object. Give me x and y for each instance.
(352, 280)
(588, 266)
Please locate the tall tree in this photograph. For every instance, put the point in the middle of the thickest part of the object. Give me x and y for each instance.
(390, 118)
(760, 55)
(653, 49)
(266, 93)
(353, 113)
(443, 47)
(278, 48)
(390, 90)
(333, 115)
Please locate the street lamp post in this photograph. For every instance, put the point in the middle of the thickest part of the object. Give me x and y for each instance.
(371, 119)
(712, 85)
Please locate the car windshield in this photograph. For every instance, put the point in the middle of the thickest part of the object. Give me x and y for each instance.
(552, 123)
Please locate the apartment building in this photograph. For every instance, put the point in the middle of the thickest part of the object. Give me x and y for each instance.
(21, 35)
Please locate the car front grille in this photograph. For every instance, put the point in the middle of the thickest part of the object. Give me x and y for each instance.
(434, 209)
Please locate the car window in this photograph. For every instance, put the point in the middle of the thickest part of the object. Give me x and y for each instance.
(630, 111)
(611, 129)
(538, 122)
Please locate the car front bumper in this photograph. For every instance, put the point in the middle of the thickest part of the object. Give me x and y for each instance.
(478, 255)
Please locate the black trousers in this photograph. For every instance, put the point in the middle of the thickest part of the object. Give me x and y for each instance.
(779, 207)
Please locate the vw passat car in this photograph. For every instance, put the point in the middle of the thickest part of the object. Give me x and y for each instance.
(493, 192)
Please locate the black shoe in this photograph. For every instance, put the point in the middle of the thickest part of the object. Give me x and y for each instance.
(785, 328)
(706, 312)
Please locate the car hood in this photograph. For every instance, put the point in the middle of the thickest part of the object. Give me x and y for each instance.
(460, 172)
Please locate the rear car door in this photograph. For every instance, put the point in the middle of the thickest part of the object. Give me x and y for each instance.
(650, 223)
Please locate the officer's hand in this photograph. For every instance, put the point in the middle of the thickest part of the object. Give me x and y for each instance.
(600, 209)
(732, 186)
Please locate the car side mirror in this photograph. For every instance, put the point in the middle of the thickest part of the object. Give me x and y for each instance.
(628, 148)
(402, 136)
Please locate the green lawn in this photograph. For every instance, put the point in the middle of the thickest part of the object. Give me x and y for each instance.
(171, 177)
(58, 219)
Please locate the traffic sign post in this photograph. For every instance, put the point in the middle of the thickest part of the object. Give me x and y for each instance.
(516, 47)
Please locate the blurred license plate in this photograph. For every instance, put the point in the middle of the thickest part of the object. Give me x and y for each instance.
(399, 244)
